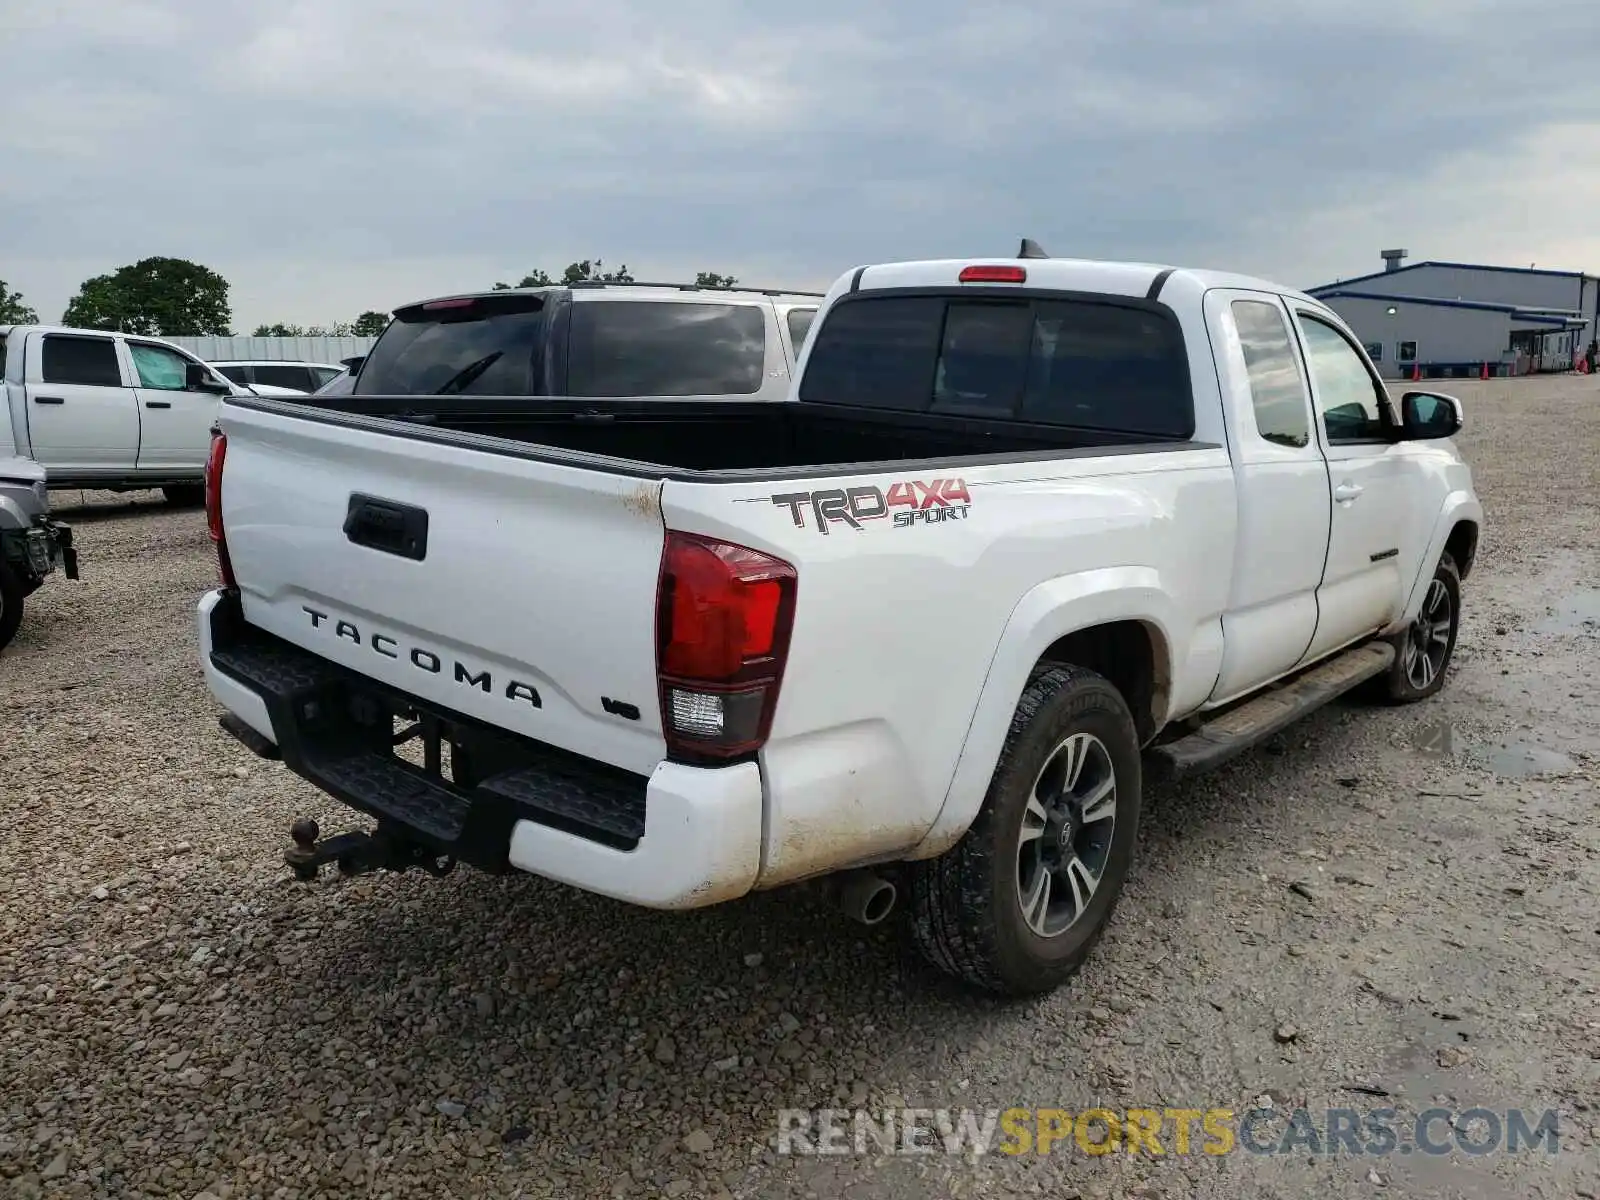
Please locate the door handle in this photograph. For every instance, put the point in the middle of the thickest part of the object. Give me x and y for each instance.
(1347, 492)
(158, 403)
(48, 400)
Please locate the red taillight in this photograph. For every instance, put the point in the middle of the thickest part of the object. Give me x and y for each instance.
(723, 616)
(461, 302)
(994, 274)
(214, 461)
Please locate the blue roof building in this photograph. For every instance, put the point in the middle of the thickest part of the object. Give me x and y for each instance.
(1451, 318)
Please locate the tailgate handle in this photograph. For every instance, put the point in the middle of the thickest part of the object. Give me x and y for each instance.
(400, 529)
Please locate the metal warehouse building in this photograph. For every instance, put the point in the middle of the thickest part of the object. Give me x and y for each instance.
(1459, 319)
(329, 350)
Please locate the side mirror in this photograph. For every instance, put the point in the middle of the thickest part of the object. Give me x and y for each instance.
(353, 365)
(1425, 416)
(196, 378)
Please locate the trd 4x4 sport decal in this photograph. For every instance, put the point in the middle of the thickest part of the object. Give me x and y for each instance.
(912, 502)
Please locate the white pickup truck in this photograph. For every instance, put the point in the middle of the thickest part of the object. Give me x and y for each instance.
(110, 410)
(910, 630)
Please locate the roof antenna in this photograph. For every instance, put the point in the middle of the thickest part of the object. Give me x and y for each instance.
(1031, 249)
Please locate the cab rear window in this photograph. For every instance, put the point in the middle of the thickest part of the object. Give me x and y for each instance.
(1090, 364)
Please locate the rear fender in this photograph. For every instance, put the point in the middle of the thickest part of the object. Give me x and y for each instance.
(1044, 616)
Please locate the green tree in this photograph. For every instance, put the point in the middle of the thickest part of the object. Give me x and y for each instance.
(169, 297)
(710, 279)
(12, 310)
(533, 279)
(278, 330)
(590, 270)
(594, 272)
(369, 324)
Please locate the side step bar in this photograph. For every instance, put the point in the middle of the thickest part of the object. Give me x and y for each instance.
(1234, 731)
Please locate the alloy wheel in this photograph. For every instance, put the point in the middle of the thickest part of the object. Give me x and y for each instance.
(1066, 835)
(1429, 640)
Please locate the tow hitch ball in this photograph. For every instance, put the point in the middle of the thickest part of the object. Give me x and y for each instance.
(358, 853)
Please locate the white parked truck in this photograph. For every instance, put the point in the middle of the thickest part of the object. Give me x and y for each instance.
(1024, 529)
(118, 411)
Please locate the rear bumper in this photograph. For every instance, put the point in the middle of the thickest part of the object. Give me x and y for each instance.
(684, 837)
(40, 549)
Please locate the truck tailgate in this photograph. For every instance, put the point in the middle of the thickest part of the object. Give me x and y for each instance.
(526, 600)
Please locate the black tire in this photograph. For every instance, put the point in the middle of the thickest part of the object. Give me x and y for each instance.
(185, 495)
(10, 605)
(967, 905)
(1405, 682)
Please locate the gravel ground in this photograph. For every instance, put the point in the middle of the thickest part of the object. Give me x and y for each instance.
(1381, 908)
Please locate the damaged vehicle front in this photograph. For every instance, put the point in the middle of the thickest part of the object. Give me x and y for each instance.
(32, 544)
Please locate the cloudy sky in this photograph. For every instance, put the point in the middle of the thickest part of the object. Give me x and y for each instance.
(330, 156)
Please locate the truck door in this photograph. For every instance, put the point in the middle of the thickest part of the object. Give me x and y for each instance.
(1361, 588)
(81, 416)
(1281, 480)
(176, 422)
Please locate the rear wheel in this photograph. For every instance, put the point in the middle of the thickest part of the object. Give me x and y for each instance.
(1016, 906)
(10, 605)
(1424, 648)
(185, 495)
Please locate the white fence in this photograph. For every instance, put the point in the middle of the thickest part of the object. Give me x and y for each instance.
(297, 349)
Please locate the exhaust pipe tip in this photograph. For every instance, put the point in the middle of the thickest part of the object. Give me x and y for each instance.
(865, 896)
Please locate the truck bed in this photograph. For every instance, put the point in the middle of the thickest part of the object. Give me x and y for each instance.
(696, 438)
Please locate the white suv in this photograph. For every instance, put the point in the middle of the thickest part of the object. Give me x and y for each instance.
(592, 340)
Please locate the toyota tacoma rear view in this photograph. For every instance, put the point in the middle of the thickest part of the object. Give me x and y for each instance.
(1024, 531)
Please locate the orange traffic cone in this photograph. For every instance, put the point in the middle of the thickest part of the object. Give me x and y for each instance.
(1416, 371)
(1484, 374)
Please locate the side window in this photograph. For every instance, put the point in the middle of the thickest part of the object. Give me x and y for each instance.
(1345, 391)
(282, 375)
(1374, 351)
(86, 360)
(799, 325)
(1407, 352)
(158, 367)
(326, 375)
(339, 385)
(665, 348)
(1276, 391)
(237, 374)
